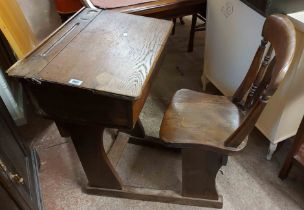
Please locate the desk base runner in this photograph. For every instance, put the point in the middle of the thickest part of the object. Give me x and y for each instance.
(145, 194)
(153, 142)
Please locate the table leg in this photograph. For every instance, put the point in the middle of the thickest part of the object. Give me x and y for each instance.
(174, 25)
(88, 141)
(192, 33)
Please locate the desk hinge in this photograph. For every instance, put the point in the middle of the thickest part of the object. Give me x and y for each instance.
(36, 81)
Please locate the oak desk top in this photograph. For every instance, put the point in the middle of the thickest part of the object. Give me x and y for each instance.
(102, 51)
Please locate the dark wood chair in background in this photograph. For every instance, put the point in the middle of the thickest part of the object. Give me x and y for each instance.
(164, 9)
(296, 154)
(197, 27)
(208, 128)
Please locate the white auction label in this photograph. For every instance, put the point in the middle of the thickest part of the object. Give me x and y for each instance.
(75, 82)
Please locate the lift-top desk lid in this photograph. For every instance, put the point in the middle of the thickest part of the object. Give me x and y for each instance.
(104, 51)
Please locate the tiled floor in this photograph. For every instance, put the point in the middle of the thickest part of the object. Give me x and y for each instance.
(247, 182)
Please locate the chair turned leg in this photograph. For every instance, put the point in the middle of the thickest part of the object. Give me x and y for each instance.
(192, 33)
(181, 21)
(199, 169)
(174, 25)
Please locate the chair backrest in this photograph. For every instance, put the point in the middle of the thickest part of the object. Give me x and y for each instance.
(265, 74)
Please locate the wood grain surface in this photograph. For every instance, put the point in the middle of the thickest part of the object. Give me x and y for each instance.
(111, 53)
(37, 59)
(195, 118)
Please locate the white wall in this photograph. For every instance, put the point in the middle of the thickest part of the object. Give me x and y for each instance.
(232, 37)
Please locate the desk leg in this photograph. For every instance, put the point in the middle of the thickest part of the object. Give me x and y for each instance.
(103, 180)
(199, 170)
(88, 141)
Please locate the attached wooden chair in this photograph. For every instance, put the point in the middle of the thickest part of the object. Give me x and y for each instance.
(208, 128)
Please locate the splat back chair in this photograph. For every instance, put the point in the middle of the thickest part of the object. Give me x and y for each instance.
(207, 128)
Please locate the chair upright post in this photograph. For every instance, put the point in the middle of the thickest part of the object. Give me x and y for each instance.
(199, 170)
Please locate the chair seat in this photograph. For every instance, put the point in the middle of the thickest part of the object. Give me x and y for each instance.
(195, 118)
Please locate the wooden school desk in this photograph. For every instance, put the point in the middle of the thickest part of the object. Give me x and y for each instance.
(95, 72)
